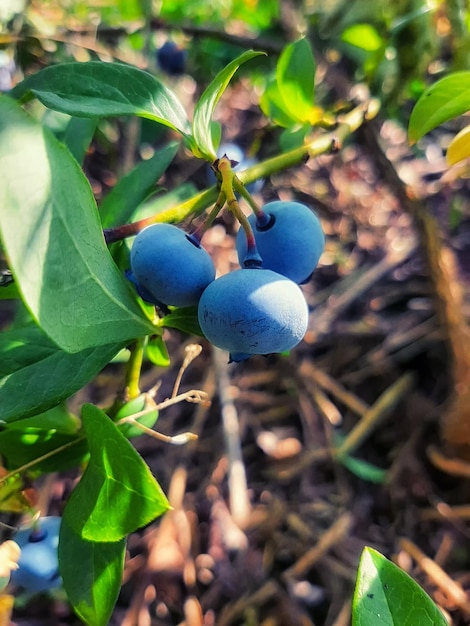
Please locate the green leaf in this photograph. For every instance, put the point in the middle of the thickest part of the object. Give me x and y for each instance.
(53, 239)
(165, 201)
(292, 137)
(202, 132)
(184, 319)
(363, 469)
(295, 78)
(117, 493)
(446, 99)
(57, 419)
(35, 374)
(132, 189)
(78, 136)
(92, 574)
(98, 89)
(385, 595)
(157, 352)
(9, 292)
(25, 441)
(363, 36)
(272, 105)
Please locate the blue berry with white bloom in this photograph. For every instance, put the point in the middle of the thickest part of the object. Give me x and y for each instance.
(289, 238)
(170, 266)
(253, 311)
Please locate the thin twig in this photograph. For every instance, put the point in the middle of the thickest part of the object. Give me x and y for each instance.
(192, 351)
(340, 300)
(333, 536)
(310, 373)
(376, 414)
(238, 491)
(449, 587)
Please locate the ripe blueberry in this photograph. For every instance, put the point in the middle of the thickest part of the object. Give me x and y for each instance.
(171, 58)
(170, 266)
(253, 311)
(290, 240)
(38, 563)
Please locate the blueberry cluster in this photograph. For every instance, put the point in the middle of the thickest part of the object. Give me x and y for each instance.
(258, 309)
(38, 563)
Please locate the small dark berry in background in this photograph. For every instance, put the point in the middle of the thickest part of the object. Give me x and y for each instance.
(171, 59)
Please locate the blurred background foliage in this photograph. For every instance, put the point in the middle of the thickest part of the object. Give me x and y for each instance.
(392, 46)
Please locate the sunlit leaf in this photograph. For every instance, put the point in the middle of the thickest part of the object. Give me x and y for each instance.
(45, 374)
(202, 131)
(92, 574)
(443, 101)
(385, 595)
(157, 351)
(97, 89)
(363, 36)
(117, 494)
(14, 496)
(272, 105)
(459, 147)
(295, 79)
(53, 239)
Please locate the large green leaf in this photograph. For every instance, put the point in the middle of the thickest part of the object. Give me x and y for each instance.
(295, 78)
(117, 493)
(446, 99)
(35, 374)
(78, 136)
(53, 239)
(132, 189)
(204, 110)
(92, 574)
(97, 89)
(385, 595)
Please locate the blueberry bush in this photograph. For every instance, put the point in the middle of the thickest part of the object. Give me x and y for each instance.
(83, 305)
(96, 279)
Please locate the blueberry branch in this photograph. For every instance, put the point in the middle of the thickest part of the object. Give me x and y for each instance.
(252, 259)
(193, 206)
(325, 143)
(218, 206)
